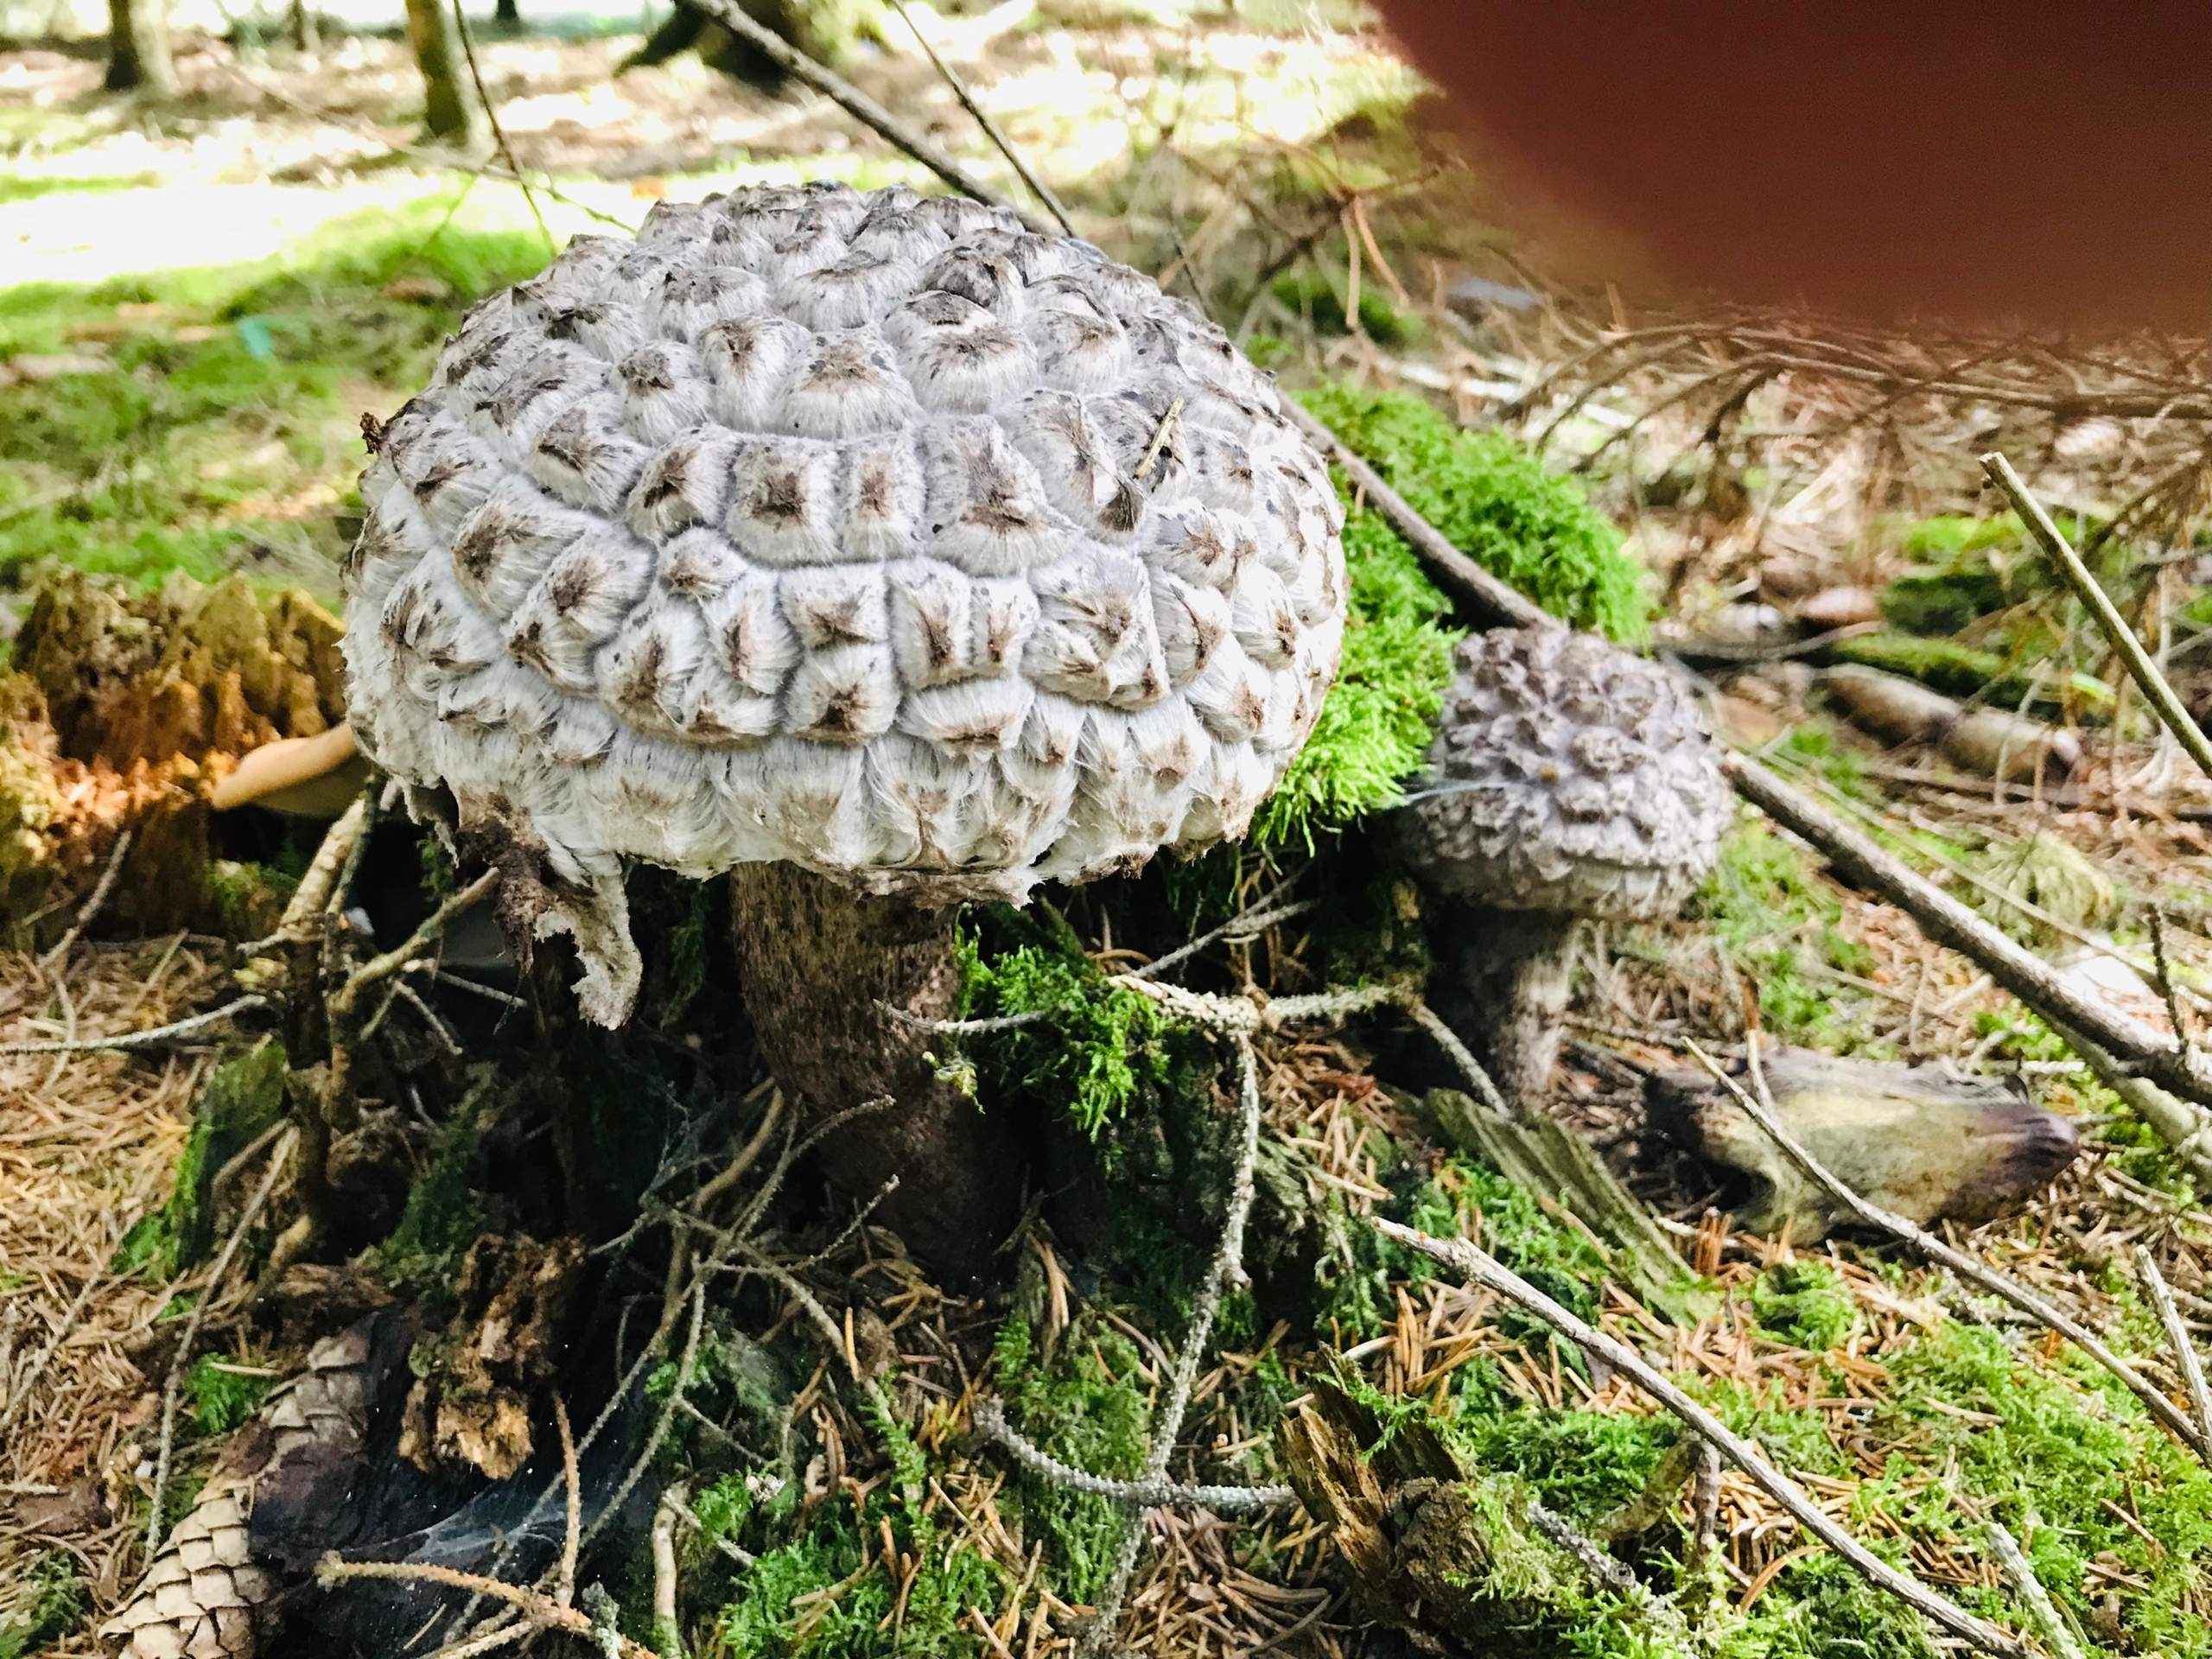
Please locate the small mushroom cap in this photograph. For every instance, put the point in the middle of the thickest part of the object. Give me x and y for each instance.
(867, 530)
(1567, 775)
(312, 776)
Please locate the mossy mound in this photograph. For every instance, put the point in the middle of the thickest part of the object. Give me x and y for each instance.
(1497, 502)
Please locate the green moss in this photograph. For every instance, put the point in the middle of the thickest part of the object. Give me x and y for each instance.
(1495, 500)
(1775, 915)
(242, 1096)
(220, 1398)
(2067, 1459)
(442, 1214)
(51, 1603)
(1968, 671)
(1375, 725)
(1103, 1047)
(1805, 1304)
(783, 1607)
(224, 426)
(1086, 1405)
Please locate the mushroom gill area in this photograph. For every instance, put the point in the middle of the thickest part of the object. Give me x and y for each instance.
(120, 709)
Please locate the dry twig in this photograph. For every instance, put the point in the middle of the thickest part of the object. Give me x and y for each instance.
(2010, 1556)
(2185, 1354)
(2155, 686)
(1042, 191)
(541, 1610)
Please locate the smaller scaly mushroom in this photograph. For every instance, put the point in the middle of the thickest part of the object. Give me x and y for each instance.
(1568, 780)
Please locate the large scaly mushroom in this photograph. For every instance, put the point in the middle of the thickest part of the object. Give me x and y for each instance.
(867, 546)
(1568, 780)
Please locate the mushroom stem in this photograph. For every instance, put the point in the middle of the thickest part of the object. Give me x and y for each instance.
(1516, 963)
(821, 967)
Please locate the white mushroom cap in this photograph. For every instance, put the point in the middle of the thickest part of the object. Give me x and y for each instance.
(1567, 776)
(842, 528)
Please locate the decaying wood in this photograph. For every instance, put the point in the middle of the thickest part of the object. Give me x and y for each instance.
(472, 1408)
(1757, 1103)
(1461, 1562)
(1910, 1139)
(1995, 742)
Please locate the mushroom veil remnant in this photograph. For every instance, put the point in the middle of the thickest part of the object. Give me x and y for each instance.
(866, 545)
(1568, 779)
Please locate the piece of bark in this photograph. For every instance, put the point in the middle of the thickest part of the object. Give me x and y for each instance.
(1448, 1557)
(822, 969)
(471, 1411)
(1907, 1138)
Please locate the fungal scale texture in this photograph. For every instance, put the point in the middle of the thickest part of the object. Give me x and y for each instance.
(850, 529)
(1568, 776)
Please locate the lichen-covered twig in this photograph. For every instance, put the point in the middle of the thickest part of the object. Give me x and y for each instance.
(990, 1418)
(2185, 1354)
(1476, 1264)
(2013, 1560)
(1758, 1106)
(2165, 700)
(126, 1041)
(165, 1444)
(1226, 1269)
(564, 1580)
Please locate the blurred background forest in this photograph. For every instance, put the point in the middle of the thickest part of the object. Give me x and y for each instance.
(233, 240)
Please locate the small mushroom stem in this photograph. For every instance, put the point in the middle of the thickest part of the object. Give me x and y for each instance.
(1513, 964)
(821, 967)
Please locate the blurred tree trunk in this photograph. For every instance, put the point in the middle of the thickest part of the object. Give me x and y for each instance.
(306, 37)
(450, 108)
(507, 13)
(138, 47)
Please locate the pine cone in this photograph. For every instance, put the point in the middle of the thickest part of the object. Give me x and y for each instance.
(205, 1597)
(866, 530)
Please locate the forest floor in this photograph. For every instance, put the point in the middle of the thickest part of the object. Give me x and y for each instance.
(210, 296)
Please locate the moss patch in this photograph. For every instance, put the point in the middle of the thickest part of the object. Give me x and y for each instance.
(1494, 500)
(241, 1097)
(217, 427)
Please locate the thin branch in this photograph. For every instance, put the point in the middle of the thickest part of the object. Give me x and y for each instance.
(2185, 1354)
(2010, 1556)
(2156, 687)
(542, 1610)
(129, 1039)
(1859, 860)
(858, 104)
(1459, 1054)
(1464, 1258)
(166, 1445)
(990, 1418)
(377, 967)
(1760, 1110)
(101, 888)
(1014, 158)
(564, 1582)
